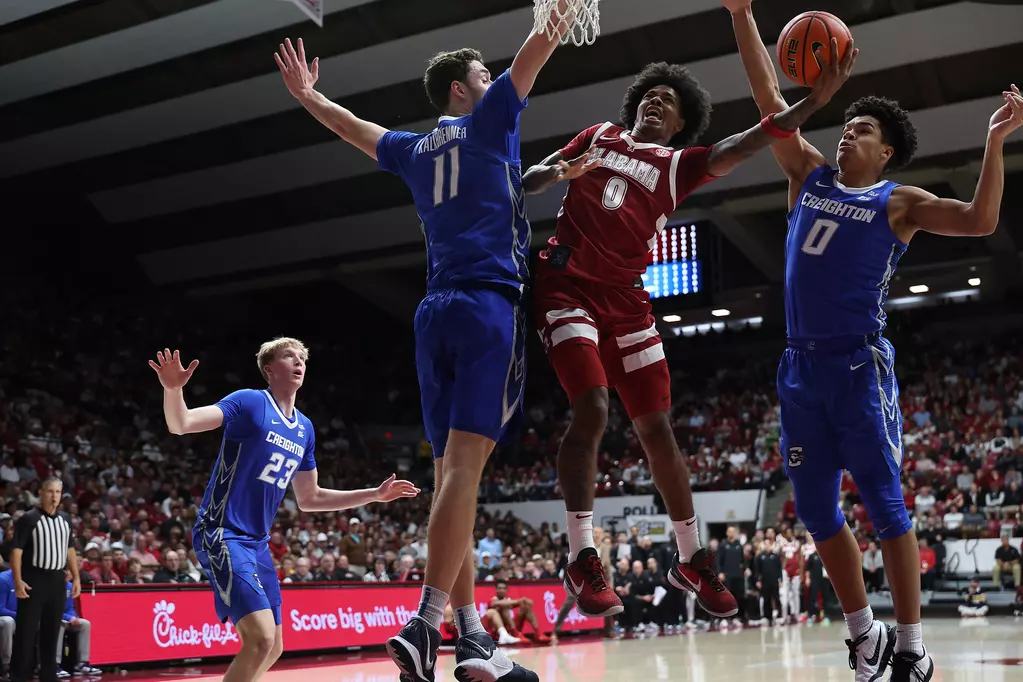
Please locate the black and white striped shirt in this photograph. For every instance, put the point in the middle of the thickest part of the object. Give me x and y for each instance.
(43, 539)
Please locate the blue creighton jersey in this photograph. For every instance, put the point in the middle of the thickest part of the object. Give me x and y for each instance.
(259, 455)
(466, 180)
(840, 255)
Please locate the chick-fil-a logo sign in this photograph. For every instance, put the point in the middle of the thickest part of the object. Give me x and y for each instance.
(166, 634)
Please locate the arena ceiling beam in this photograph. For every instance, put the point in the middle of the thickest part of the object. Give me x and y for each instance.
(16, 10)
(561, 113)
(150, 42)
(353, 72)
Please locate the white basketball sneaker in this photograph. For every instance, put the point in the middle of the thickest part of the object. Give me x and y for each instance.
(871, 653)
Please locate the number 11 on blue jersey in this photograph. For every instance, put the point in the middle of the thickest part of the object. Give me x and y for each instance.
(439, 175)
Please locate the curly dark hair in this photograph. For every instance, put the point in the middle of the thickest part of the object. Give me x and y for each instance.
(897, 130)
(443, 69)
(695, 100)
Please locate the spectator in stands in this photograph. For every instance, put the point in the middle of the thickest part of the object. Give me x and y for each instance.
(171, 571)
(150, 564)
(1007, 562)
(303, 572)
(550, 570)
(286, 568)
(344, 568)
(104, 574)
(80, 629)
(409, 570)
(327, 571)
(134, 575)
(873, 568)
(278, 548)
(489, 545)
(379, 573)
(928, 566)
(994, 499)
(925, 500)
(352, 545)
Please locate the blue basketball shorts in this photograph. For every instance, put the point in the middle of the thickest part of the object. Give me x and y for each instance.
(840, 410)
(471, 362)
(241, 572)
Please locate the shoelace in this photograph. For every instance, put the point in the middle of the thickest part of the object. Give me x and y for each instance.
(853, 646)
(708, 574)
(597, 581)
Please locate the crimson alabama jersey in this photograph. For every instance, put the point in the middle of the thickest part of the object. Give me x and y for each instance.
(612, 215)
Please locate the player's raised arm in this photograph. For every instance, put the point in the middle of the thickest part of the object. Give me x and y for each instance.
(312, 498)
(173, 377)
(782, 126)
(797, 157)
(301, 81)
(537, 49)
(924, 211)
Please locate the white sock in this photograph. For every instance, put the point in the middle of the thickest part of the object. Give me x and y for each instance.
(860, 621)
(580, 532)
(431, 606)
(687, 536)
(467, 620)
(909, 638)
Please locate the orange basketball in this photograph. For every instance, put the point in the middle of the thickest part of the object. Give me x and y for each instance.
(804, 34)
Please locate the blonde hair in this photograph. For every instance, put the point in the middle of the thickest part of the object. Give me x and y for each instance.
(268, 352)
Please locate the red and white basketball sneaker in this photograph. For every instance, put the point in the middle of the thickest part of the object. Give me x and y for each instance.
(585, 580)
(700, 577)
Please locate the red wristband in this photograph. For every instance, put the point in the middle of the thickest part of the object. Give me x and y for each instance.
(773, 130)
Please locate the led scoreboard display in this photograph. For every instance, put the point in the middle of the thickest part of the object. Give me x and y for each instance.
(675, 267)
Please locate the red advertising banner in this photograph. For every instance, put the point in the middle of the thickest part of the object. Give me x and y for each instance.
(154, 624)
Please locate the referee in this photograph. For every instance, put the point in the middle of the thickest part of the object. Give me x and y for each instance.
(42, 548)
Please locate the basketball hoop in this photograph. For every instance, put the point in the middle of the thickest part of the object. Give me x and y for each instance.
(579, 23)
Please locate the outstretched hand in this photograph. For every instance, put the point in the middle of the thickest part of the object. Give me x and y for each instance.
(171, 372)
(1009, 116)
(298, 76)
(734, 6)
(392, 489)
(835, 71)
(581, 165)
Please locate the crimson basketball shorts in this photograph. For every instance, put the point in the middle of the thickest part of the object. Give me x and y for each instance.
(596, 335)
(840, 410)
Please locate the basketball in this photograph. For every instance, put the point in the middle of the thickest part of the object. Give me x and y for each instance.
(802, 36)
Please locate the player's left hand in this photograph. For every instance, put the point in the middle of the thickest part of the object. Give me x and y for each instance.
(581, 165)
(834, 71)
(298, 76)
(1009, 116)
(76, 590)
(392, 489)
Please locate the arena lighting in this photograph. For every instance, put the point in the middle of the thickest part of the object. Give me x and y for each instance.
(721, 312)
(973, 281)
(919, 289)
(672, 318)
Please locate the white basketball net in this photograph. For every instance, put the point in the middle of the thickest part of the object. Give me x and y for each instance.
(578, 22)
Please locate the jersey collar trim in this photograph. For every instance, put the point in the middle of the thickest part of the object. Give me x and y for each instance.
(447, 118)
(857, 190)
(290, 423)
(642, 145)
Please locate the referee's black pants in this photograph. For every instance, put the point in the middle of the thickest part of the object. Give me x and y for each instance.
(38, 616)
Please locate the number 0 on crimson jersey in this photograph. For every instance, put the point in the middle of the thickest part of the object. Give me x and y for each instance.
(591, 309)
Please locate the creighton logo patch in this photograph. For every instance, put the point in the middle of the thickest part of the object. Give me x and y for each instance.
(795, 456)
